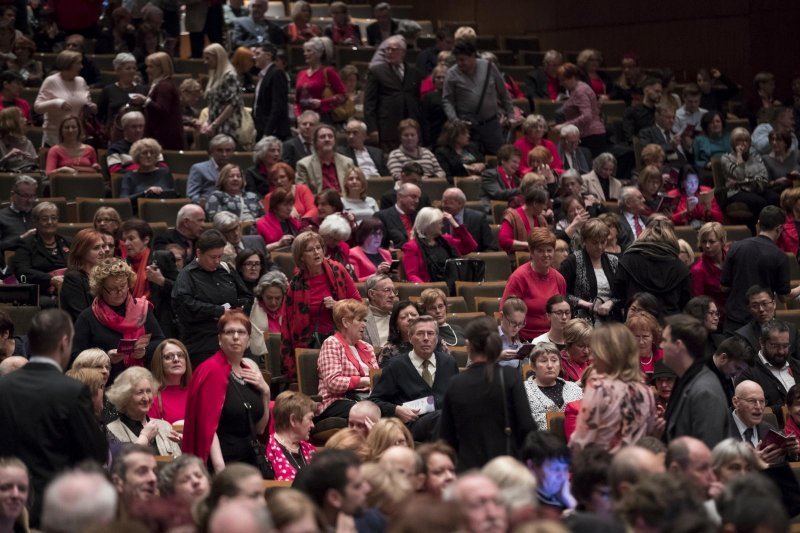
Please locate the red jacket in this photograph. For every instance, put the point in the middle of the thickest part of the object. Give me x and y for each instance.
(788, 240)
(363, 266)
(679, 218)
(414, 265)
(204, 405)
(269, 227)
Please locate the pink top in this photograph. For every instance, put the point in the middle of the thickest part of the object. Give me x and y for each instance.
(269, 227)
(170, 404)
(525, 146)
(283, 468)
(58, 157)
(534, 289)
(53, 94)
(583, 110)
(313, 86)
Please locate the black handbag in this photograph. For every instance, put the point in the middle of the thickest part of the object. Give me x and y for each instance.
(264, 466)
(463, 269)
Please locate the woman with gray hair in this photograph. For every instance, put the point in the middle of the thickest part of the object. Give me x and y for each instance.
(115, 96)
(313, 81)
(335, 231)
(149, 180)
(301, 29)
(132, 393)
(601, 181)
(746, 177)
(266, 315)
(266, 153)
(425, 255)
(731, 459)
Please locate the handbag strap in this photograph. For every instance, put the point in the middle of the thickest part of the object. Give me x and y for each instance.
(483, 91)
(248, 408)
(507, 428)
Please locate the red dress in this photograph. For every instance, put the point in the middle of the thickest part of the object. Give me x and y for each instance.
(57, 157)
(706, 281)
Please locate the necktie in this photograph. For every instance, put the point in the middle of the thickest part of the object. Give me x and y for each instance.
(426, 373)
(637, 226)
(748, 436)
(407, 224)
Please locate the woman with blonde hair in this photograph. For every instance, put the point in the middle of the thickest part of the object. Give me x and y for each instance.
(300, 29)
(17, 153)
(389, 489)
(576, 355)
(62, 94)
(132, 393)
(707, 271)
(350, 439)
(162, 105)
(232, 197)
(94, 379)
(617, 408)
(223, 95)
(651, 264)
(149, 180)
(292, 511)
(388, 432)
(788, 240)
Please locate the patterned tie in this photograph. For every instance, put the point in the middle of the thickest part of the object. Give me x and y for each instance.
(407, 224)
(426, 373)
(637, 226)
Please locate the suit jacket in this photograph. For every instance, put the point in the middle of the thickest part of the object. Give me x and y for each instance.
(774, 392)
(202, 180)
(536, 86)
(161, 297)
(394, 232)
(196, 11)
(376, 154)
(701, 411)
(751, 332)
(49, 432)
(309, 171)
(760, 430)
(473, 422)
(173, 236)
(388, 99)
(293, 151)
(400, 382)
(476, 225)
(654, 135)
(493, 187)
(626, 237)
(256, 243)
(583, 158)
(374, 32)
(247, 33)
(271, 104)
(591, 184)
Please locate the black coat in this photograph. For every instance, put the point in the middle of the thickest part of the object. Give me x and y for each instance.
(394, 231)
(374, 32)
(293, 151)
(271, 104)
(476, 225)
(90, 333)
(173, 236)
(433, 118)
(451, 162)
(376, 154)
(473, 420)
(667, 279)
(48, 422)
(74, 295)
(161, 297)
(388, 100)
(33, 260)
(255, 181)
(774, 392)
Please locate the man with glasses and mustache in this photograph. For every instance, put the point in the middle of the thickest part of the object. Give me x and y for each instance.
(775, 371)
(16, 222)
(748, 426)
(381, 295)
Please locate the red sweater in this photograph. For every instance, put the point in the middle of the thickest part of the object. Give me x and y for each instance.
(414, 265)
(534, 289)
(363, 266)
(526, 146)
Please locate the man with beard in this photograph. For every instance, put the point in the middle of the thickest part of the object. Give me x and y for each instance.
(774, 370)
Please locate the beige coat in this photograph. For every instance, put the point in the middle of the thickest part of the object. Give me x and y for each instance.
(309, 171)
(164, 445)
(591, 185)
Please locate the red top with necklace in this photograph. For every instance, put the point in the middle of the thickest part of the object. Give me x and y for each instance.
(534, 289)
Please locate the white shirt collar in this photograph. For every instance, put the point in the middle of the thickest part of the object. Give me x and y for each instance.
(742, 427)
(770, 365)
(45, 360)
(417, 360)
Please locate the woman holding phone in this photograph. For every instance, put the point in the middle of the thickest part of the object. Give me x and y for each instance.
(696, 203)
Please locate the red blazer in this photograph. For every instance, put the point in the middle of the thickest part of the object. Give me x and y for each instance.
(361, 263)
(788, 240)
(204, 404)
(417, 271)
(698, 213)
(269, 227)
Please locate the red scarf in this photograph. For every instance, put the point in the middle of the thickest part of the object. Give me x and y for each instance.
(274, 318)
(130, 326)
(204, 404)
(509, 181)
(297, 329)
(363, 353)
(791, 427)
(140, 289)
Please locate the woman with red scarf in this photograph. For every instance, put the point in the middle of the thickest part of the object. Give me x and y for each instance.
(155, 271)
(317, 285)
(345, 361)
(117, 322)
(228, 401)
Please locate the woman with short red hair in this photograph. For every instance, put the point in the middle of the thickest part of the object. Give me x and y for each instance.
(281, 176)
(228, 401)
(536, 281)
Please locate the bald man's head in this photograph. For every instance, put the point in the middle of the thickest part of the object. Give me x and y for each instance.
(363, 416)
(406, 462)
(240, 517)
(630, 465)
(691, 458)
(749, 403)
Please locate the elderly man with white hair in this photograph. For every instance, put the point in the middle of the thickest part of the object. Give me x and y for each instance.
(77, 501)
(479, 502)
(632, 208)
(368, 158)
(571, 153)
(119, 158)
(392, 93)
(382, 296)
(188, 227)
(454, 201)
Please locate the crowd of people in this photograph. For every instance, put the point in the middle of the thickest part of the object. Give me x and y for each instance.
(621, 379)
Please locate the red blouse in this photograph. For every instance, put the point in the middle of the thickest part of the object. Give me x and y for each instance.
(526, 146)
(534, 289)
(706, 281)
(679, 216)
(170, 404)
(57, 157)
(320, 315)
(505, 238)
(312, 86)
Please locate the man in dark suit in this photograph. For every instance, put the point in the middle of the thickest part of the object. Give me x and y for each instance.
(368, 158)
(410, 173)
(384, 24)
(748, 425)
(543, 81)
(732, 357)
(774, 371)
(631, 210)
(761, 303)
(47, 419)
(661, 134)
(302, 145)
(398, 220)
(188, 227)
(429, 58)
(231, 228)
(419, 374)
(453, 201)
(271, 96)
(391, 94)
(572, 154)
(698, 407)
(255, 30)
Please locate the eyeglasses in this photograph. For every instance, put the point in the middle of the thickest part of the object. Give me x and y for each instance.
(387, 290)
(115, 290)
(754, 401)
(173, 356)
(234, 332)
(252, 264)
(513, 324)
(761, 305)
(25, 196)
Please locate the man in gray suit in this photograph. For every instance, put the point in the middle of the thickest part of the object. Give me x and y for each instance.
(255, 29)
(698, 407)
(203, 176)
(572, 154)
(381, 295)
